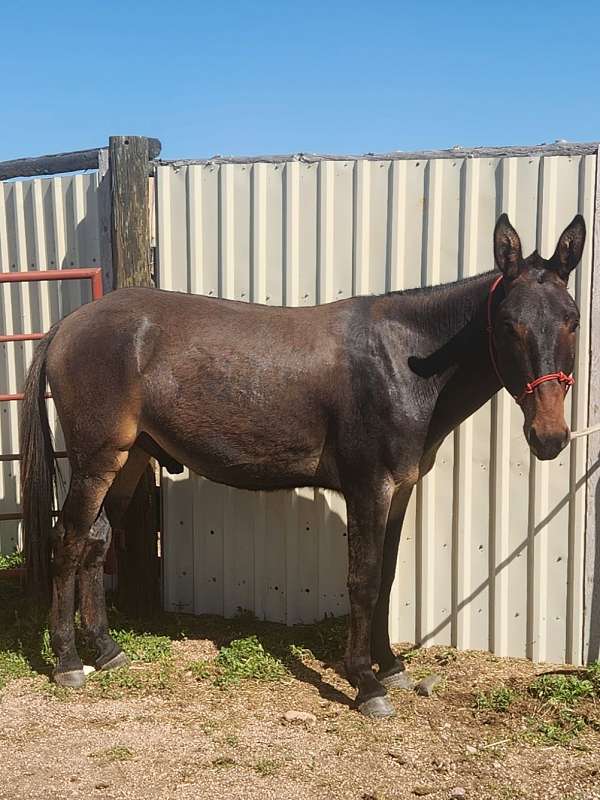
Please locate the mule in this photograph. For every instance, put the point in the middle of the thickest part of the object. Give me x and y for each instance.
(354, 396)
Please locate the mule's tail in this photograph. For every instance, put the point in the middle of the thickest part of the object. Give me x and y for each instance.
(38, 474)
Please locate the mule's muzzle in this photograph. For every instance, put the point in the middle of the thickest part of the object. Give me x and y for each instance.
(547, 444)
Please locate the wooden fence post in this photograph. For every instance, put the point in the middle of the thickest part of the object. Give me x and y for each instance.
(138, 566)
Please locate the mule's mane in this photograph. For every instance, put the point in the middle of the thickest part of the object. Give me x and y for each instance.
(437, 288)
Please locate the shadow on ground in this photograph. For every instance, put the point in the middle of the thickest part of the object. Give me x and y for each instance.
(23, 628)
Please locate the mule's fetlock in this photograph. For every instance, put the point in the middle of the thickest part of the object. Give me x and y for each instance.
(390, 667)
(395, 677)
(371, 699)
(120, 660)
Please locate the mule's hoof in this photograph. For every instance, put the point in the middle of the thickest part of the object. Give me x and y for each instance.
(72, 679)
(397, 680)
(377, 708)
(120, 660)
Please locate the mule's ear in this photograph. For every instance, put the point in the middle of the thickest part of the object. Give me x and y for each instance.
(569, 248)
(507, 248)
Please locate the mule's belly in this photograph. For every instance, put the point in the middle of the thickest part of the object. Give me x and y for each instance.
(224, 460)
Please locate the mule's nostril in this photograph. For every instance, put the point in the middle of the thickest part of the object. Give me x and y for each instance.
(547, 445)
(534, 439)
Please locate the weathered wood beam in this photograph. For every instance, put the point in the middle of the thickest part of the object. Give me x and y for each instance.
(555, 149)
(61, 162)
(131, 262)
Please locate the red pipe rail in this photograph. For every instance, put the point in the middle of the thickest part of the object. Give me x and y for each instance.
(94, 275)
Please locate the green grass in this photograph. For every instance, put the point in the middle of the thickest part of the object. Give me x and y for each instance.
(116, 753)
(147, 647)
(11, 560)
(499, 699)
(266, 767)
(560, 732)
(142, 680)
(241, 659)
(200, 669)
(562, 717)
(13, 665)
(300, 652)
(223, 761)
(247, 659)
(565, 705)
(249, 649)
(24, 636)
(562, 689)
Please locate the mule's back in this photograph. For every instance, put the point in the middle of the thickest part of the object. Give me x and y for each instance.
(240, 393)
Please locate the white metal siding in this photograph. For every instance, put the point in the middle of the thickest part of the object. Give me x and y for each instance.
(492, 549)
(46, 223)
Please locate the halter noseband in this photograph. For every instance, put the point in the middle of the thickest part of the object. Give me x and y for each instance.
(568, 380)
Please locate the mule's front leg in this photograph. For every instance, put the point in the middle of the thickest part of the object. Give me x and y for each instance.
(391, 668)
(92, 603)
(367, 516)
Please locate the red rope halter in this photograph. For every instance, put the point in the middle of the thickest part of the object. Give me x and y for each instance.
(530, 387)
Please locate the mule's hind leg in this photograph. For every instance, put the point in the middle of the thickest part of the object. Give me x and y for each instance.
(92, 602)
(86, 494)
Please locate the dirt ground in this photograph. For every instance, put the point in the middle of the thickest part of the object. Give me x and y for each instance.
(162, 728)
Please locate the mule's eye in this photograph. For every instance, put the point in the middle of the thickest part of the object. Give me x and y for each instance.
(573, 325)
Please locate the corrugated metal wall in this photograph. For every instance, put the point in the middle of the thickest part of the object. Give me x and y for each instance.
(46, 223)
(492, 549)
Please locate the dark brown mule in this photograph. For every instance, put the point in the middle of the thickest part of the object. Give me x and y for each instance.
(354, 396)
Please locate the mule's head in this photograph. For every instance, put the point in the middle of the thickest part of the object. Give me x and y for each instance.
(533, 330)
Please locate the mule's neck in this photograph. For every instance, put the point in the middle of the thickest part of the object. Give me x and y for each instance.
(451, 350)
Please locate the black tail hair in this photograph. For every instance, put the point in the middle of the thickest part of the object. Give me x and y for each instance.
(38, 474)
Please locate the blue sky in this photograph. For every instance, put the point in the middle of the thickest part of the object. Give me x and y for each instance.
(274, 77)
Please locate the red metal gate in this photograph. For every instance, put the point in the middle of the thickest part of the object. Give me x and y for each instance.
(95, 276)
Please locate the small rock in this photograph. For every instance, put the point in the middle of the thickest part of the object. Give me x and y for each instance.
(426, 686)
(471, 750)
(402, 681)
(398, 757)
(458, 791)
(87, 670)
(421, 791)
(300, 716)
